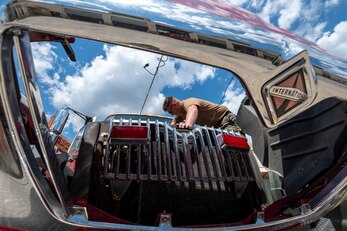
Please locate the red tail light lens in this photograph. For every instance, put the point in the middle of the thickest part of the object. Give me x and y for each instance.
(129, 134)
(3, 228)
(231, 142)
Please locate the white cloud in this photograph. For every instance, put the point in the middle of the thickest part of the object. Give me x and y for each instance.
(305, 18)
(233, 97)
(329, 3)
(291, 49)
(44, 59)
(204, 73)
(335, 41)
(289, 13)
(309, 20)
(127, 82)
(236, 2)
(133, 2)
(93, 5)
(286, 12)
(245, 3)
(311, 11)
(311, 31)
(116, 83)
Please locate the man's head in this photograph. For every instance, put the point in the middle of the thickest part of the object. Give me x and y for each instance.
(167, 103)
(172, 105)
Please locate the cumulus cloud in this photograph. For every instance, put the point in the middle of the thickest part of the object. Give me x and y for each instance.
(311, 31)
(93, 5)
(281, 13)
(306, 18)
(236, 2)
(289, 13)
(329, 3)
(116, 82)
(335, 41)
(44, 59)
(134, 2)
(233, 97)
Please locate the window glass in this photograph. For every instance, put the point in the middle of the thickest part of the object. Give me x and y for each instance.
(107, 79)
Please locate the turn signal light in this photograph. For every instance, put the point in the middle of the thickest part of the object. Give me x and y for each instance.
(229, 142)
(129, 134)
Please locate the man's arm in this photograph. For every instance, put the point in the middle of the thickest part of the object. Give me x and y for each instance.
(191, 117)
(177, 119)
(174, 120)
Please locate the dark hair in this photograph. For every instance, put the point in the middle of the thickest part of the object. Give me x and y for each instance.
(167, 102)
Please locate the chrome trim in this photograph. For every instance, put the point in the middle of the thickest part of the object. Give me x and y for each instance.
(15, 135)
(177, 155)
(24, 76)
(49, 202)
(225, 59)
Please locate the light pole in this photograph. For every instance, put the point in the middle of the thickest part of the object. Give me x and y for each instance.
(161, 63)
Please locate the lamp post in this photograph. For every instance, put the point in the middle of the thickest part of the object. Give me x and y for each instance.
(161, 63)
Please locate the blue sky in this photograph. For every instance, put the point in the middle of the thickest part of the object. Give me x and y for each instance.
(110, 79)
(100, 84)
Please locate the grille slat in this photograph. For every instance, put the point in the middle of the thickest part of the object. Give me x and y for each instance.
(177, 157)
(158, 147)
(128, 160)
(139, 163)
(149, 154)
(118, 161)
(212, 154)
(236, 163)
(219, 155)
(230, 167)
(173, 154)
(187, 157)
(167, 151)
(198, 164)
(204, 155)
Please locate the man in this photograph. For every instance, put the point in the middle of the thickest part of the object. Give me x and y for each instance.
(193, 110)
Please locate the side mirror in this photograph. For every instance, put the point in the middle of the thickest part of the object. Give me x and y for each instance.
(57, 123)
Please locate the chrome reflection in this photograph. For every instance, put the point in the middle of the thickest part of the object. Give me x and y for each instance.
(214, 19)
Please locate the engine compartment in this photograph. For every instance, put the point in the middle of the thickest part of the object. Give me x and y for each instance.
(189, 203)
(190, 174)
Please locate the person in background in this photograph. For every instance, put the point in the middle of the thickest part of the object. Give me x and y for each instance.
(193, 110)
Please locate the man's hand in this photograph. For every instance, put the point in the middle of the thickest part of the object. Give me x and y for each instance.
(191, 116)
(183, 125)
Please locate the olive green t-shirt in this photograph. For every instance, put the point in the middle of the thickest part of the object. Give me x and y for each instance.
(210, 114)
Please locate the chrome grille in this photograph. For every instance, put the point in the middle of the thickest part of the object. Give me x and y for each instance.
(173, 154)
